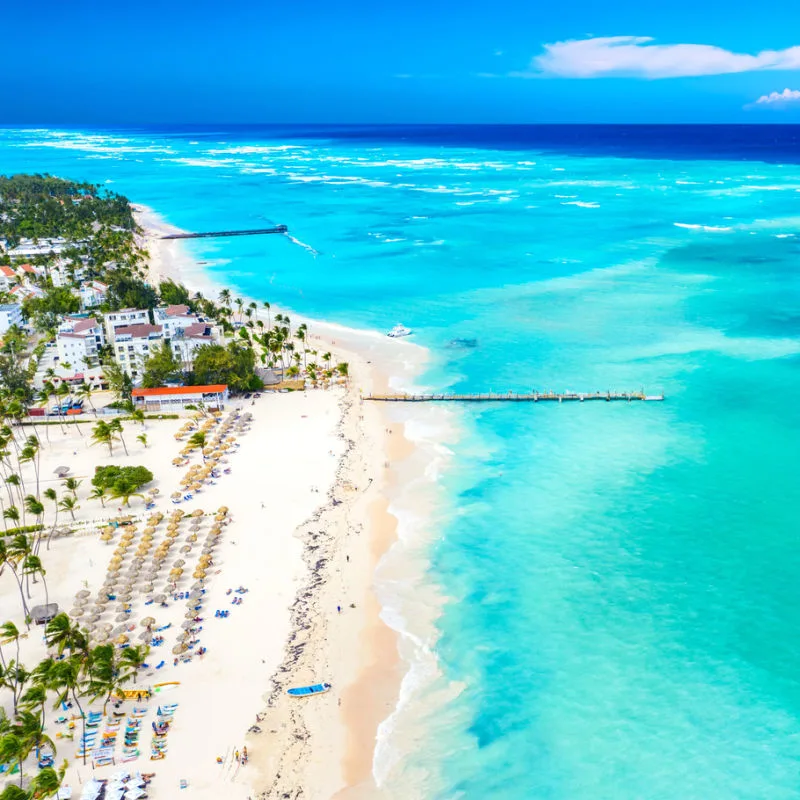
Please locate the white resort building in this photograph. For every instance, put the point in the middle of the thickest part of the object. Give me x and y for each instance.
(125, 317)
(10, 314)
(133, 345)
(78, 341)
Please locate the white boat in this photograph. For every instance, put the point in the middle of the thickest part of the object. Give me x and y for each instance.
(398, 331)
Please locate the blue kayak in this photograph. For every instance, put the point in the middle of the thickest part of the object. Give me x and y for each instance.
(307, 691)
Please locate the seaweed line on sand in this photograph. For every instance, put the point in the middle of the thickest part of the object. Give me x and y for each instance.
(306, 648)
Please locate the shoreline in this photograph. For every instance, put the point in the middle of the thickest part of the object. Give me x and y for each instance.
(359, 650)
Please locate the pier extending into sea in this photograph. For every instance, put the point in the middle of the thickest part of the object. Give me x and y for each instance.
(514, 397)
(217, 234)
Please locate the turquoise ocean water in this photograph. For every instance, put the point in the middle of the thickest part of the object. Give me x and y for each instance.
(621, 580)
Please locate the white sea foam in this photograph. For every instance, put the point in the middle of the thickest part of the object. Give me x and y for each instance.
(581, 203)
(248, 149)
(709, 228)
(305, 246)
(408, 605)
(214, 163)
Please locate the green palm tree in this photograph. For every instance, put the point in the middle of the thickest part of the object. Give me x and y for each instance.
(98, 493)
(132, 659)
(12, 513)
(72, 485)
(69, 503)
(142, 437)
(84, 391)
(9, 633)
(137, 415)
(48, 781)
(68, 681)
(197, 439)
(34, 506)
(103, 434)
(52, 496)
(116, 427)
(8, 558)
(33, 566)
(123, 490)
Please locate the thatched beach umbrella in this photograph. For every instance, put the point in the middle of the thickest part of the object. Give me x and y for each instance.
(186, 549)
(122, 638)
(191, 537)
(199, 584)
(121, 618)
(160, 598)
(179, 648)
(191, 614)
(106, 537)
(199, 573)
(76, 612)
(81, 601)
(101, 635)
(148, 622)
(145, 636)
(148, 587)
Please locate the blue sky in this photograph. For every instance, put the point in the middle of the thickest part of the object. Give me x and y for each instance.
(510, 61)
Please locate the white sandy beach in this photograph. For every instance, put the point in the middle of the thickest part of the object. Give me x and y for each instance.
(321, 462)
(308, 499)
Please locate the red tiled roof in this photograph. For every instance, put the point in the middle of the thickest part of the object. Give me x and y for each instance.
(197, 329)
(8, 272)
(28, 268)
(142, 329)
(85, 324)
(216, 388)
(177, 311)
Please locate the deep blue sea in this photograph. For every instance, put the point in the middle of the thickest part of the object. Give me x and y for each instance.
(621, 583)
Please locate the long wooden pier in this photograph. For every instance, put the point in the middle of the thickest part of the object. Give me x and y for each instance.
(514, 397)
(216, 234)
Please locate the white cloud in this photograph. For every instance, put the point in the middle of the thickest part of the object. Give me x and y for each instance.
(786, 97)
(637, 57)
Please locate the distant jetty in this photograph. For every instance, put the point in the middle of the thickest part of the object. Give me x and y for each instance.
(218, 234)
(514, 397)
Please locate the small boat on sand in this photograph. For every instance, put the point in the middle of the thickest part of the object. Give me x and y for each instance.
(398, 331)
(307, 691)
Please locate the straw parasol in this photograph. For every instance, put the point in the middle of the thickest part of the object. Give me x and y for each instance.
(148, 622)
(199, 584)
(76, 612)
(145, 635)
(121, 617)
(191, 537)
(148, 587)
(190, 614)
(179, 648)
(199, 573)
(198, 513)
(122, 638)
(186, 549)
(160, 598)
(81, 601)
(106, 537)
